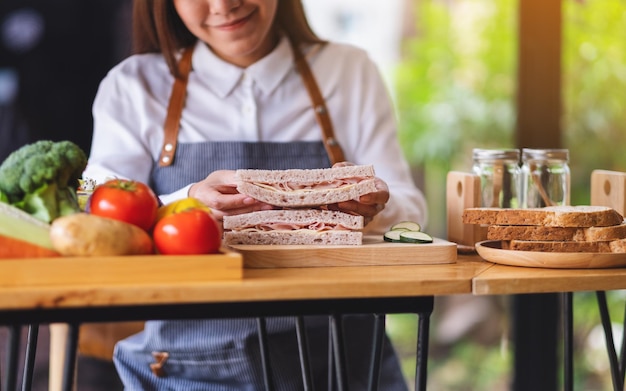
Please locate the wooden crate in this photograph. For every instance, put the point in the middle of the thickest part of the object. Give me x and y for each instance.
(120, 270)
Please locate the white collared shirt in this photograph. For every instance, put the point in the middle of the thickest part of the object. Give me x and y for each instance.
(266, 101)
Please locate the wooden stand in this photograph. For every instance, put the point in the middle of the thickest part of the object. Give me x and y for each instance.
(463, 191)
(608, 188)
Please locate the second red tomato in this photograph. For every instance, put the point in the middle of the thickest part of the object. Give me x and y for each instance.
(192, 231)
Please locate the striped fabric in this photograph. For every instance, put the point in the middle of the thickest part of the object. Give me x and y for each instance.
(193, 162)
(223, 355)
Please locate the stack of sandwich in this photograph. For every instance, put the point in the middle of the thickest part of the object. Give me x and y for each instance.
(596, 229)
(301, 198)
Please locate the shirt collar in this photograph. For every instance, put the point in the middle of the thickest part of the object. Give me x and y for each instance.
(222, 77)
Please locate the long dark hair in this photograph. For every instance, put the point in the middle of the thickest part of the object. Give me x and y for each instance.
(158, 28)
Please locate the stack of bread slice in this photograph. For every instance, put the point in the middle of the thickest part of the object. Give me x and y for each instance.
(596, 229)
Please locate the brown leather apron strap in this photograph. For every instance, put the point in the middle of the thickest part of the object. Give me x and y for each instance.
(177, 102)
(333, 149)
(175, 109)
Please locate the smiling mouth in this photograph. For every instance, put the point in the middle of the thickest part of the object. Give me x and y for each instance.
(235, 24)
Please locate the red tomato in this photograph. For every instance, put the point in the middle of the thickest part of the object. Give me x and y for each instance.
(125, 200)
(191, 231)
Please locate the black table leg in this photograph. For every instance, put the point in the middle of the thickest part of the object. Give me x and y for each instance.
(303, 348)
(616, 375)
(331, 358)
(536, 334)
(10, 378)
(377, 351)
(568, 341)
(339, 352)
(31, 350)
(265, 354)
(71, 350)
(421, 367)
(622, 356)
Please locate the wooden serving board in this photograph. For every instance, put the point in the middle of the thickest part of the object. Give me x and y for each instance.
(136, 269)
(492, 251)
(373, 252)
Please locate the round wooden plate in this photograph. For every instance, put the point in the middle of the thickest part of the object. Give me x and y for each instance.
(491, 251)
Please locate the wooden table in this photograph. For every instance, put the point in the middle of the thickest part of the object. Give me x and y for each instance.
(507, 280)
(260, 293)
(256, 285)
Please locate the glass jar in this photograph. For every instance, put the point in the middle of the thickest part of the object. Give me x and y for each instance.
(500, 177)
(546, 177)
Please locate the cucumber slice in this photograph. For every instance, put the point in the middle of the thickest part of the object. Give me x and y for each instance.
(415, 237)
(406, 226)
(392, 236)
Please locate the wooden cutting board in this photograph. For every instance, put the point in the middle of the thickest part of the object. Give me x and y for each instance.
(373, 252)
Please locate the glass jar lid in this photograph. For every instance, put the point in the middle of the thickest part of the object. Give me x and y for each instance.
(545, 154)
(496, 154)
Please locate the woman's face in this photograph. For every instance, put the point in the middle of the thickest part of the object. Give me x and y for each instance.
(239, 31)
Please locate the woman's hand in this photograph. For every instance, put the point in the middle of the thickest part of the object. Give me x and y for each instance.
(368, 205)
(219, 192)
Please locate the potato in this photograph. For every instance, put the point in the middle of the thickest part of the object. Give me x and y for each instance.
(84, 234)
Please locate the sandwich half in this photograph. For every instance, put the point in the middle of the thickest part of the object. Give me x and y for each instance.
(300, 188)
(294, 226)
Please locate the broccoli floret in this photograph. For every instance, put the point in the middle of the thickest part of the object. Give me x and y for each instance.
(41, 178)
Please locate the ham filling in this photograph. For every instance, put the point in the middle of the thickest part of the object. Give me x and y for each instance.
(317, 227)
(328, 185)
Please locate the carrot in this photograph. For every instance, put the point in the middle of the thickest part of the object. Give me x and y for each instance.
(16, 248)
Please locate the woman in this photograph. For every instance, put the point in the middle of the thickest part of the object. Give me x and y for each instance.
(215, 87)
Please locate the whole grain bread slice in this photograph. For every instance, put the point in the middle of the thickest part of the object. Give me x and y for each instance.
(534, 232)
(582, 216)
(605, 233)
(558, 246)
(618, 246)
(609, 246)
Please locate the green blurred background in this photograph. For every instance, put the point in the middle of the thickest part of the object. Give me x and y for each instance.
(455, 91)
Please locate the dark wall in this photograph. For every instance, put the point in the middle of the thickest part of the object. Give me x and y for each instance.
(56, 52)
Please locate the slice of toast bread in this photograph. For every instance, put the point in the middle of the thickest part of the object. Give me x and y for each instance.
(533, 232)
(558, 246)
(595, 229)
(552, 216)
(609, 246)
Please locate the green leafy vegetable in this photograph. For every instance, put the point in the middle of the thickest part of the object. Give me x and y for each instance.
(41, 178)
